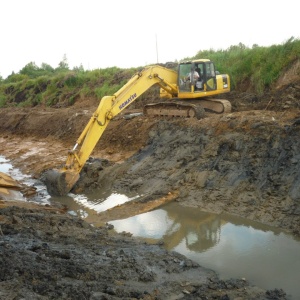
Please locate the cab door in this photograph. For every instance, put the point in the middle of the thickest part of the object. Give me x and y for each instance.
(210, 83)
(183, 84)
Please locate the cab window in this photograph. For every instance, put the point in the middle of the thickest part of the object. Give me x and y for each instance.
(184, 70)
(210, 70)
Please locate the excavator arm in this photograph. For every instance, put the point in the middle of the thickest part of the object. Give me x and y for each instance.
(60, 182)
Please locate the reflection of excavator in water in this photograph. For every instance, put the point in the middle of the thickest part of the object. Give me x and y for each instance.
(187, 97)
(199, 230)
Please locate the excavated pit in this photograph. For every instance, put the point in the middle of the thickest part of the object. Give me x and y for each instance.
(244, 163)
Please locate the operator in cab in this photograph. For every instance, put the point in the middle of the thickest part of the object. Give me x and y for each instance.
(195, 74)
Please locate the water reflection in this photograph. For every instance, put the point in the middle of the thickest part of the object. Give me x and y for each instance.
(87, 206)
(8, 193)
(232, 246)
(175, 225)
(102, 201)
(195, 228)
(84, 206)
(5, 166)
(41, 196)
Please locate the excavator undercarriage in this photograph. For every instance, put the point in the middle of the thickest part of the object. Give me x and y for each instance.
(187, 108)
(174, 109)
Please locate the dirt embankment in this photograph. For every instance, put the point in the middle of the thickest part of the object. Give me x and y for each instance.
(242, 163)
(246, 163)
(46, 254)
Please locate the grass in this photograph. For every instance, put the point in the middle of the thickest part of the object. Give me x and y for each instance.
(261, 66)
(258, 68)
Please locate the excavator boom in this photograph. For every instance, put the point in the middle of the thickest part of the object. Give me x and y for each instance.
(60, 182)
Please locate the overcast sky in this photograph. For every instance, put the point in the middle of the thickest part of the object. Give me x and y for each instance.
(132, 33)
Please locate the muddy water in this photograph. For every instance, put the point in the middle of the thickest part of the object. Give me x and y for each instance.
(232, 246)
(5, 166)
(8, 193)
(42, 196)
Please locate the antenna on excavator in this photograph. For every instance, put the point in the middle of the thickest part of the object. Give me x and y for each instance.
(156, 48)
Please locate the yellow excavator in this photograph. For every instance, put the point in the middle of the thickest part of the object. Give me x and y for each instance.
(186, 93)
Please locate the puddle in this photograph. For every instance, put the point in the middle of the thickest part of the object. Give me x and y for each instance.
(5, 166)
(232, 246)
(102, 201)
(88, 206)
(84, 206)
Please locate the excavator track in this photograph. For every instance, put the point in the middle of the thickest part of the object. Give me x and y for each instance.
(188, 108)
(174, 109)
(218, 106)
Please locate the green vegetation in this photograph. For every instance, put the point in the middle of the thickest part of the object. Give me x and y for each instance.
(256, 68)
(59, 87)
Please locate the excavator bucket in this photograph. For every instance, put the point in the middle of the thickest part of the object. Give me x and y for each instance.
(59, 183)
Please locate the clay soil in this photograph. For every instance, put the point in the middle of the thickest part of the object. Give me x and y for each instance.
(245, 163)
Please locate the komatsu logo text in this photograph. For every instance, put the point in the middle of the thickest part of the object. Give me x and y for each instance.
(132, 97)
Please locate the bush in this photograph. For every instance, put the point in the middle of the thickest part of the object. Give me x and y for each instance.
(2, 100)
(15, 78)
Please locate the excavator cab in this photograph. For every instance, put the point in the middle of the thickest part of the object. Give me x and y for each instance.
(203, 76)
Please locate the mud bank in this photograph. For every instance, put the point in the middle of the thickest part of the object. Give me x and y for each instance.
(46, 254)
(245, 163)
(241, 163)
